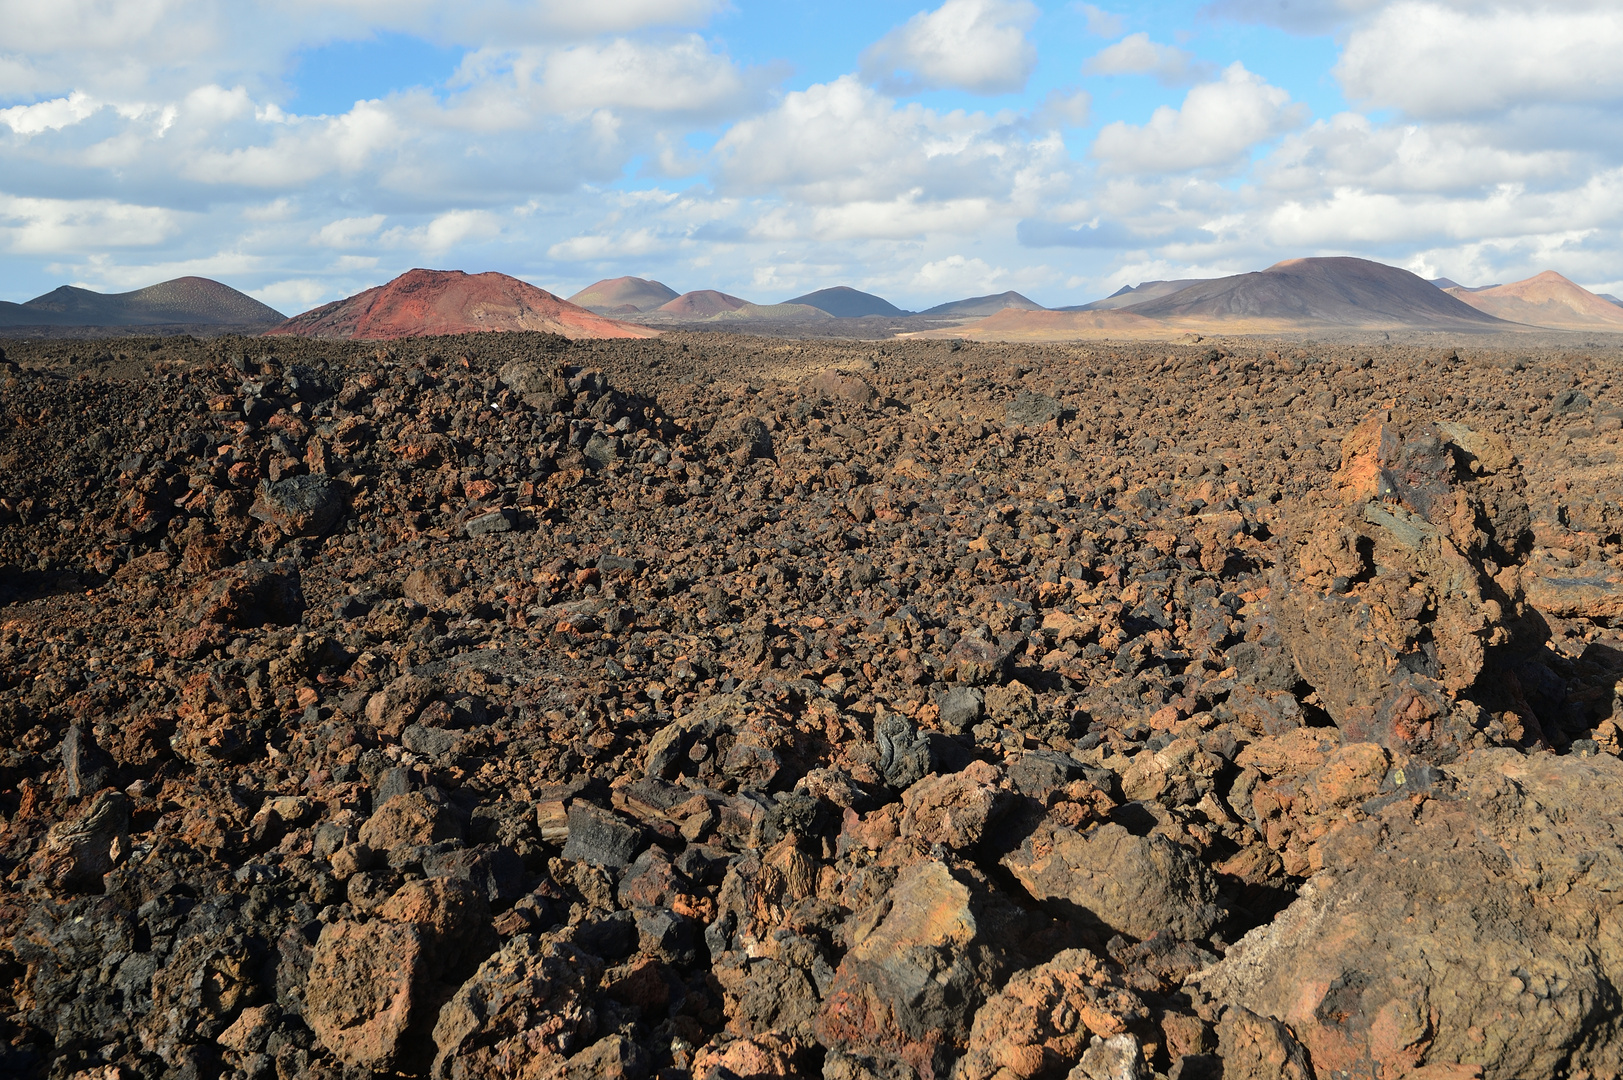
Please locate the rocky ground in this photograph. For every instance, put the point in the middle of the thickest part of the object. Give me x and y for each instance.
(501, 706)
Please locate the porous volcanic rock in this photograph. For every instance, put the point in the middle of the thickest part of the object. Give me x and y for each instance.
(1474, 926)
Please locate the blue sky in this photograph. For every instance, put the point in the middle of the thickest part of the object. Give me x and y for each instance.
(303, 150)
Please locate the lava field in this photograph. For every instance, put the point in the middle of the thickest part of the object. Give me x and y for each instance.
(720, 707)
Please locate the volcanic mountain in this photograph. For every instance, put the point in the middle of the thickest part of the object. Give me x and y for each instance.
(187, 301)
(702, 304)
(1546, 299)
(844, 302)
(1326, 293)
(424, 303)
(623, 296)
(984, 305)
(1288, 297)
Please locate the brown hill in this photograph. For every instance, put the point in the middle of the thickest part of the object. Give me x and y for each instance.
(984, 305)
(1014, 324)
(425, 303)
(702, 304)
(623, 296)
(1324, 293)
(1546, 299)
(186, 301)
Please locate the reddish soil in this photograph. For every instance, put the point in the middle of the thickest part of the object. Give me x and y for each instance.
(425, 303)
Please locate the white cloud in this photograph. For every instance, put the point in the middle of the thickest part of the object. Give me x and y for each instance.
(590, 248)
(1136, 54)
(350, 231)
(1100, 23)
(1442, 60)
(681, 75)
(51, 226)
(451, 229)
(1218, 125)
(976, 45)
(959, 275)
(52, 115)
(294, 295)
(842, 143)
(1350, 150)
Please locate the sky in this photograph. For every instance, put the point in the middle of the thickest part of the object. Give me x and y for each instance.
(303, 150)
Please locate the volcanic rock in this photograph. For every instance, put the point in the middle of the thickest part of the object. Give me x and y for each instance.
(937, 948)
(1134, 885)
(301, 505)
(1390, 602)
(1395, 955)
(705, 766)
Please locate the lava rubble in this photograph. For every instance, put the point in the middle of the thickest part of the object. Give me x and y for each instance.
(715, 707)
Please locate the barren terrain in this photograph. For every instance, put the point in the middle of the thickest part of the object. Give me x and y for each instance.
(713, 706)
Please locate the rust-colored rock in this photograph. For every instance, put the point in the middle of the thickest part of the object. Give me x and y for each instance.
(1038, 1026)
(1135, 885)
(364, 983)
(420, 303)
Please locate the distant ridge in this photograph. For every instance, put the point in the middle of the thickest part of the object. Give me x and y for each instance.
(185, 301)
(623, 296)
(784, 313)
(985, 305)
(1132, 295)
(1321, 294)
(425, 303)
(1547, 300)
(844, 302)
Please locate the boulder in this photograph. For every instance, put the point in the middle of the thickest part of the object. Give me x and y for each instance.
(941, 942)
(301, 505)
(409, 820)
(363, 986)
(1477, 928)
(1040, 1024)
(954, 810)
(1032, 410)
(78, 852)
(1134, 885)
(1388, 600)
(600, 837)
(527, 1010)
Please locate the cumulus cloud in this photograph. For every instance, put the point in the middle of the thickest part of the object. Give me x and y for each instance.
(347, 232)
(1136, 54)
(599, 246)
(975, 45)
(1101, 23)
(680, 75)
(957, 274)
(1217, 126)
(1447, 60)
(1350, 150)
(56, 226)
(52, 115)
(845, 143)
(454, 228)
(162, 47)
